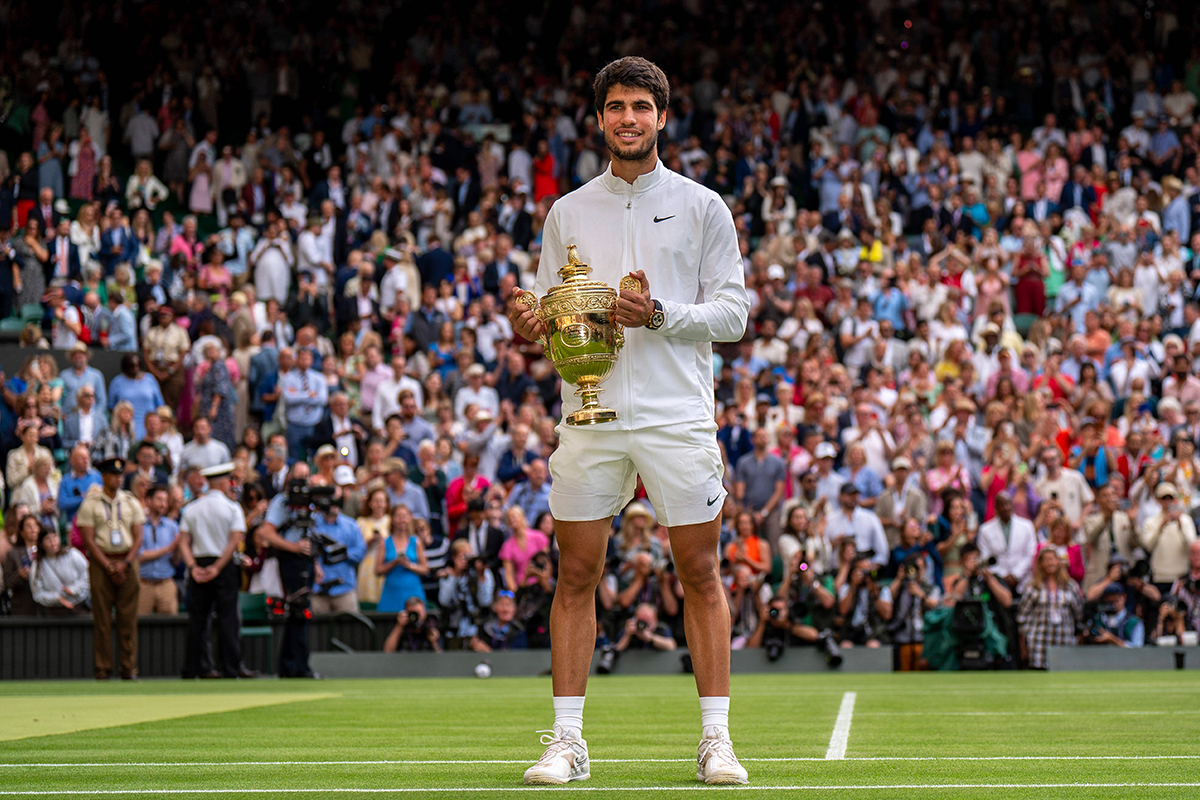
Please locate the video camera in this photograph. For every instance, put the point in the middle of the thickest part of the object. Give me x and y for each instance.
(304, 502)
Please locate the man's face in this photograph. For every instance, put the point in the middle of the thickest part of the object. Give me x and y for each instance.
(630, 123)
(537, 474)
(304, 360)
(1004, 507)
(408, 407)
(505, 609)
(79, 460)
(157, 503)
(339, 406)
(201, 429)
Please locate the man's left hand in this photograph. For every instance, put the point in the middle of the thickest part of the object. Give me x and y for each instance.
(634, 308)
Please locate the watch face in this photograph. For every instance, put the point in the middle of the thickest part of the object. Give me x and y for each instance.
(657, 319)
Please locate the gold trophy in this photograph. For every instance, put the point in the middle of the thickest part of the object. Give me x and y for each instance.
(581, 335)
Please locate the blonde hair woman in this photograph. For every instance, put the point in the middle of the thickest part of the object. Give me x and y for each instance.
(171, 436)
(115, 440)
(376, 526)
(1050, 608)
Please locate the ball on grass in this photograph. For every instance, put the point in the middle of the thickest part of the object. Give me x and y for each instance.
(483, 670)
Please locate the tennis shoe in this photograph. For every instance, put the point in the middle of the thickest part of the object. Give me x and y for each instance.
(716, 764)
(565, 759)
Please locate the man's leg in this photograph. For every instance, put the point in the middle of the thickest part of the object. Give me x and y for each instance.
(705, 609)
(581, 549)
(102, 594)
(126, 603)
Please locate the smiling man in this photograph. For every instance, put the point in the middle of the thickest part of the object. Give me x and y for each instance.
(677, 238)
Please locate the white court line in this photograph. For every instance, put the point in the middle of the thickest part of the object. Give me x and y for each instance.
(841, 729)
(430, 762)
(577, 788)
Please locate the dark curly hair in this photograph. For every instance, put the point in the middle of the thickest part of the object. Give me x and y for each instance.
(637, 72)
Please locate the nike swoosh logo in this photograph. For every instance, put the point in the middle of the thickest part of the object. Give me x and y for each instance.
(664, 219)
(710, 502)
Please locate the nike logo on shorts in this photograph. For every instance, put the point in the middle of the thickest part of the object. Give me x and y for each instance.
(710, 502)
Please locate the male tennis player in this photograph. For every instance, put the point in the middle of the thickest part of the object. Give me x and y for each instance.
(678, 238)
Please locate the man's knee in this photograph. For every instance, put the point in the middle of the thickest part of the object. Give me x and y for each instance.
(700, 573)
(578, 576)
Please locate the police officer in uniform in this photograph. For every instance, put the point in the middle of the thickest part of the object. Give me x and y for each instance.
(210, 530)
(110, 521)
(296, 572)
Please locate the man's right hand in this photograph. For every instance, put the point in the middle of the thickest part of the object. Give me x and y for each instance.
(524, 320)
(302, 547)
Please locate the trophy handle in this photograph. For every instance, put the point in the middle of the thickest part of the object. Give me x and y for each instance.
(631, 284)
(530, 300)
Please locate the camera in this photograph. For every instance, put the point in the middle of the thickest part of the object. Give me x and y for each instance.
(608, 660)
(541, 561)
(413, 619)
(1175, 603)
(302, 501)
(642, 625)
(829, 646)
(774, 613)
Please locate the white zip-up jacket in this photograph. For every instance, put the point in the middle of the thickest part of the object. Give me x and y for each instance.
(682, 235)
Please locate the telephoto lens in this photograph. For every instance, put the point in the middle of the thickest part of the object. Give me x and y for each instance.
(829, 646)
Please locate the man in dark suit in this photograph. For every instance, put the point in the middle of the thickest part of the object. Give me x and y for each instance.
(64, 255)
(435, 264)
(263, 363)
(332, 188)
(332, 215)
(466, 196)
(1041, 207)
(307, 306)
(835, 221)
(1078, 192)
(257, 197)
(387, 213)
(485, 539)
(350, 306)
(338, 428)
(494, 271)
(518, 222)
(46, 213)
(272, 471)
(822, 257)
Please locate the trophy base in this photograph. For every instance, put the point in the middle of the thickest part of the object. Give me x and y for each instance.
(591, 416)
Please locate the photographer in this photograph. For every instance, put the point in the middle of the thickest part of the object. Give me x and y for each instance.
(1106, 531)
(914, 595)
(502, 631)
(465, 588)
(415, 631)
(1142, 598)
(976, 581)
(643, 631)
(1181, 608)
(864, 606)
(643, 581)
(534, 600)
(1112, 624)
(343, 548)
(297, 569)
(802, 608)
(747, 608)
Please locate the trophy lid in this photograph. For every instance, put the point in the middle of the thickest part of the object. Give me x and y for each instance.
(574, 272)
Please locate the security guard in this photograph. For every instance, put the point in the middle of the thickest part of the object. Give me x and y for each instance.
(110, 521)
(210, 530)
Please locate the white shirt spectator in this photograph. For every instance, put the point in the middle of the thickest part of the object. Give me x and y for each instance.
(1013, 552)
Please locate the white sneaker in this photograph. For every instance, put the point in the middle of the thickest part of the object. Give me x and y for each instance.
(716, 764)
(565, 759)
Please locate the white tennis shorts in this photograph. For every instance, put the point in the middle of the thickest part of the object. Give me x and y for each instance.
(595, 472)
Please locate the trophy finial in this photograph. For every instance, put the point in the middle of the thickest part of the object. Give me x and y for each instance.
(574, 270)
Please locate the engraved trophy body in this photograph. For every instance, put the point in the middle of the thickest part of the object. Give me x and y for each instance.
(581, 335)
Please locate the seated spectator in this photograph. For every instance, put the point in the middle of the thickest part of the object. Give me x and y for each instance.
(415, 631)
(84, 423)
(39, 491)
(115, 440)
(18, 562)
(501, 632)
(1051, 608)
(58, 576)
(747, 546)
(22, 458)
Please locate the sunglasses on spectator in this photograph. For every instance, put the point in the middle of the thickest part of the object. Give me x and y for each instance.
(505, 593)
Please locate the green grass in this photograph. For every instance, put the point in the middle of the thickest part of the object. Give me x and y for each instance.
(909, 735)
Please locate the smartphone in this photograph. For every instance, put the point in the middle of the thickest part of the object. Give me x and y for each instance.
(1022, 468)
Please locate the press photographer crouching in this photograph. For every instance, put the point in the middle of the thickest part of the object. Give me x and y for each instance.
(802, 613)
(864, 606)
(1140, 602)
(1180, 610)
(292, 530)
(914, 594)
(465, 589)
(1111, 623)
(415, 631)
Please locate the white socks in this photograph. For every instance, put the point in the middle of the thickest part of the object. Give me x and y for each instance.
(714, 713)
(568, 714)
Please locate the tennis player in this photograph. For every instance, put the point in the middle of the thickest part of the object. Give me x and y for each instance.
(676, 237)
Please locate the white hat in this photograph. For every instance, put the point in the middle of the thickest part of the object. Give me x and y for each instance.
(344, 475)
(825, 450)
(218, 470)
(775, 272)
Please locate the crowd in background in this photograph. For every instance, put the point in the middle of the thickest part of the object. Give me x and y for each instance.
(971, 237)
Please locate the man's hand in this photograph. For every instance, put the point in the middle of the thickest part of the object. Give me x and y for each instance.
(634, 308)
(524, 320)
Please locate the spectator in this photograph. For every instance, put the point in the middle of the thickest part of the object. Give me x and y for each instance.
(465, 587)
(139, 389)
(18, 562)
(415, 630)
(532, 495)
(203, 451)
(864, 605)
(337, 590)
(1012, 541)
(1167, 536)
(849, 522)
(747, 547)
(761, 479)
(1051, 608)
(501, 632)
(643, 631)
(79, 375)
(58, 576)
(401, 562)
(156, 560)
(522, 545)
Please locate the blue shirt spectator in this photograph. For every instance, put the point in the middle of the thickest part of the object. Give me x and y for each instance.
(305, 395)
(140, 389)
(122, 331)
(156, 536)
(79, 374)
(75, 484)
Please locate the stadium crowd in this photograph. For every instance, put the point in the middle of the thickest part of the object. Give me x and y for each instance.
(971, 240)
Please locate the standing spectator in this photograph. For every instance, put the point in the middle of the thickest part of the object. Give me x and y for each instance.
(1050, 608)
(1166, 536)
(532, 495)
(211, 528)
(522, 545)
(401, 563)
(1108, 531)
(1012, 541)
(76, 482)
(761, 480)
(137, 388)
(110, 524)
(305, 393)
(847, 523)
(160, 545)
(203, 451)
(217, 397)
(1064, 486)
